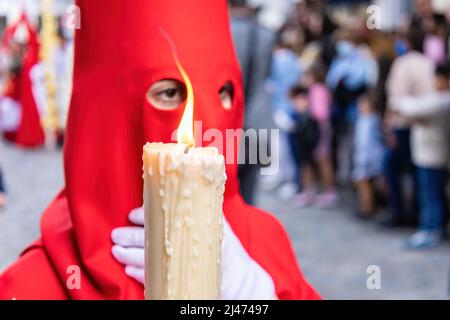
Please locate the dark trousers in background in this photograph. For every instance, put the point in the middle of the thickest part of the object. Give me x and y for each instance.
(431, 198)
(397, 162)
(248, 170)
(2, 186)
(295, 153)
(248, 175)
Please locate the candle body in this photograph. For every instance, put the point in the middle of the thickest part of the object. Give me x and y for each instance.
(183, 197)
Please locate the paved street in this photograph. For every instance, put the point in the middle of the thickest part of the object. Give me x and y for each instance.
(33, 178)
(333, 249)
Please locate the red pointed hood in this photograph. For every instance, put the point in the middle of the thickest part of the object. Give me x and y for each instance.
(119, 54)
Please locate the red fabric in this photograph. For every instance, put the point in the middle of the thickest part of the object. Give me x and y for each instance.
(119, 53)
(30, 132)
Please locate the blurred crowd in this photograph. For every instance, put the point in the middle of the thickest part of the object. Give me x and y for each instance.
(358, 109)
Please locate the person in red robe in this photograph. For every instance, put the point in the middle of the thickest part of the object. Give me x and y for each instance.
(29, 132)
(120, 53)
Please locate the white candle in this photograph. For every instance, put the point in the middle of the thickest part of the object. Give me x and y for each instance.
(183, 197)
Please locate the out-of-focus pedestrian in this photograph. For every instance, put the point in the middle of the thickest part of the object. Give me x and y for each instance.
(253, 44)
(351, 73)
(368, 155)
(430, 150)
(286, 72)
(63, 61)
(319, 109)
(434, 45)
(2, 192)
(423, 10)
(7, 107)
(307, 137)
(318, 32)
(412, 74)
(22, 34)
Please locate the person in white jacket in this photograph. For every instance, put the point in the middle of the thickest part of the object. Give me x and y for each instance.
(430, 118)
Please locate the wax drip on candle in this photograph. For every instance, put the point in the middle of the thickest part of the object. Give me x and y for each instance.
(162, 164)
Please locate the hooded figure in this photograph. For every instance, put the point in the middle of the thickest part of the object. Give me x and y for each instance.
(119, 53)
(29, 132)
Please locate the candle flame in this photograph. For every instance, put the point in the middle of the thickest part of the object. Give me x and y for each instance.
(185, 133)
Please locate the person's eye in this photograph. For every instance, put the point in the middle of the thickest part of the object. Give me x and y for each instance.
(226, 94)
(167, 94)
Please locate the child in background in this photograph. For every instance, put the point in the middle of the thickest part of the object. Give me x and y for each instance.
(285, 72)
(368, 155)
(320, 99)
(314, 139)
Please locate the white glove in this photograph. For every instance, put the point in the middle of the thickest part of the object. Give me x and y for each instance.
(128, 246)
(242, 277)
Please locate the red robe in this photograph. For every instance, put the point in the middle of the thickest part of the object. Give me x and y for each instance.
(119, 54)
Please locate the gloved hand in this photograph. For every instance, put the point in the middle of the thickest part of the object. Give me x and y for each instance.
(128, 246)
(242, 277)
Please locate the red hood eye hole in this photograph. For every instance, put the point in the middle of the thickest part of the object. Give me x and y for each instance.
(226, 95)
(167, 94)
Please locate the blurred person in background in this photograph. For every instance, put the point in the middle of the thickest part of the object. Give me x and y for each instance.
(318, 107)
(412, 74)
(384, 48)
(318, 29)
(3, 81)
(22, 40)
(307, 136)
(368, 155)
(286, 72)
(351, 73)
(253, 44)
(60, 67)
(63, 60)
(422, 10)
(430, 117)
(434, 44)
(10, 109)
(447, 32)
(2, 192)
(5, 111)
